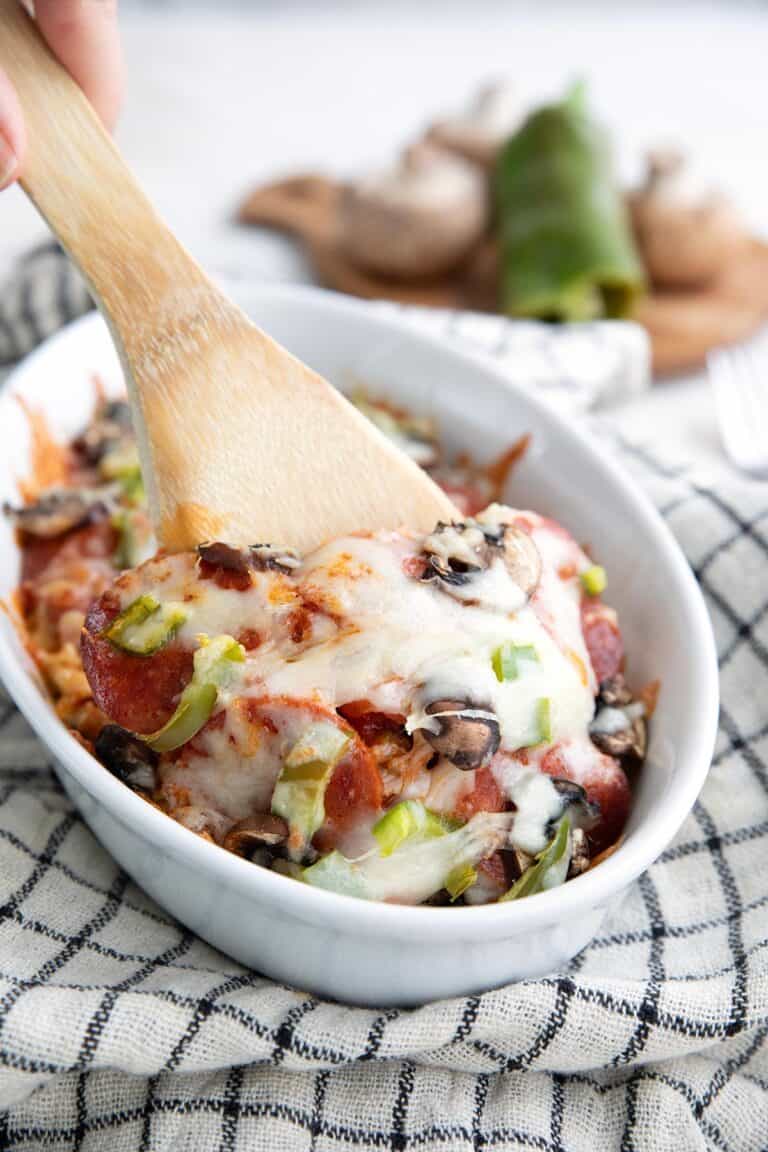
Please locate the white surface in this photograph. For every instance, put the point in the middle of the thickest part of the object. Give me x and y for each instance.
(220, 97)
(345, 948)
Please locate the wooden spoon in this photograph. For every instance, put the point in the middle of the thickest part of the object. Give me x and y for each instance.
(238, 440)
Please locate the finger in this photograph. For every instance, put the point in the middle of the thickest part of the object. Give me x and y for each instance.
(83, 34)
(12, 136)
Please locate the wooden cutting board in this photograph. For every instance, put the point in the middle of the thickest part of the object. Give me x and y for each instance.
(683, 326)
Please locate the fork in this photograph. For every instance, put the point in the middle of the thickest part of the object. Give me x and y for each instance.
(739, 378)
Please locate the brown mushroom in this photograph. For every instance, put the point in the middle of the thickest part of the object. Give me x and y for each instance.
(221, 555)
(479, 133)
(127, 757)
(262, 830)
(583, 812)
(457, 552)
(231, 567)
(520, 862)
(614, 692)
(278, 558)
(111, 424)
(418, 220)
(628, 742)
(59, 511)
(522, 559)
(686, 232)
(467, 735)
(579, 853)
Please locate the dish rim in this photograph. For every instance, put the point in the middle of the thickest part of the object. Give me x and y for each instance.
(309, 904)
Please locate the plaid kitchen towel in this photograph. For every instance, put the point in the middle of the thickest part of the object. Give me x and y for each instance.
(121, 1031)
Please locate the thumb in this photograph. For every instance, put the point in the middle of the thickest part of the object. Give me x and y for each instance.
(84, 36)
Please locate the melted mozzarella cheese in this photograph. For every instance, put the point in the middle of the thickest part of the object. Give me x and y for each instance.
(372, 630)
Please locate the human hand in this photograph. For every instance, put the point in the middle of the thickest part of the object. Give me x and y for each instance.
(83, 34)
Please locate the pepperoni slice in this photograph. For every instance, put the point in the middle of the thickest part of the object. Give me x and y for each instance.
(94, 541)
(486, 796)
(605, 783)
(354, 787)
(368, 723)
(137, 692)
(602, 637)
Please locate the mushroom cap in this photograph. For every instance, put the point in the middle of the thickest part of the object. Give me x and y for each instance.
(467, 735)
(478, 133)
(686, 231)
(127, 757)
(522, 558)
(58, 511)
(420, 219)
(458, 553)
(262, 830)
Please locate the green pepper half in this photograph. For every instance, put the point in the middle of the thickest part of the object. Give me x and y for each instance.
(567, 251)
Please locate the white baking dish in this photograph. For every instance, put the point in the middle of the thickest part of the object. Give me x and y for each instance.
(334, 945)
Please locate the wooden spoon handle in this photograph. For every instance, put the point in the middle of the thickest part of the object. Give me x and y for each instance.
(78, 180)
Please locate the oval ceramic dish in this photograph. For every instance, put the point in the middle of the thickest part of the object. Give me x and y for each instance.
(334, 945)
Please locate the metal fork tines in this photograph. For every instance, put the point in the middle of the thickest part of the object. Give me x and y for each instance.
(739, 379)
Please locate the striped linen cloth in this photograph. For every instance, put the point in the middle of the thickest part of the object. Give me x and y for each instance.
(121, 1031)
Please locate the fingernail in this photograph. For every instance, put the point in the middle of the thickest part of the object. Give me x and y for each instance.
(8, 162)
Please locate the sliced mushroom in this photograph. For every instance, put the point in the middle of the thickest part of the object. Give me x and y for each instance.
(619, 727)
(255, 833)
(686, 231)
(454, 552)
(614, 692)
(111, 424)
(457, 552)
(520, 862)
(59, 511)
(417, 220)
(628, 743)
(127, 757)
(276, 557)
(580, 859)
(220, 555)
(467, 735)
(522, 559)
(582, 811)
(479, 133)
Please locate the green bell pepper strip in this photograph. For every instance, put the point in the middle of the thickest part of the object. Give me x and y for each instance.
(459, 879)
(550, 869)
(593, 580)
(509, 660)
(567, 251)
(540, 730)
(419, 868)
(213, 669)
(145, 626)
(122, 465)
(299, 794)
(406, 820)
(135, 540)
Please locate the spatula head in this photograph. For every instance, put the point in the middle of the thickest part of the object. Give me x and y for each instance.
(242, 442)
